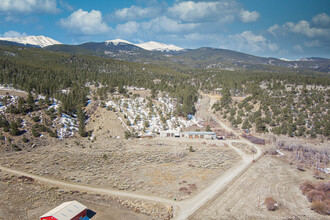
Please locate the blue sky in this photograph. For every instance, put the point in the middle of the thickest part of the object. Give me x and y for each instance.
(279, 28)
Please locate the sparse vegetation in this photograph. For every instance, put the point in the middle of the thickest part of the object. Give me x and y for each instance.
(318, 195)
(271, 204)
(191, 149)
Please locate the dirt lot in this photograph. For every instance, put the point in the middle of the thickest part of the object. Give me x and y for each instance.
(105, 124)
(27, 199)
(270, 176)
(162, 167)
(13, 92)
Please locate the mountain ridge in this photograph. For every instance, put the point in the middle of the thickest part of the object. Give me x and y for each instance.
(173, 56)
(41, 41)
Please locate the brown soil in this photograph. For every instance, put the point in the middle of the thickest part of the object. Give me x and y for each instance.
(270, 176)
(13, 92)
(105, 124)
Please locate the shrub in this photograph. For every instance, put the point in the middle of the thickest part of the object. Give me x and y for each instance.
(53, 133)
(185, 190)
(25, 139)
(191, 149)
(319, 195)
(35, 132)
(325, 186)
(306, 187)
(16, 148)
(315, 195)
(271, 204)
(321, 207)
(36, 119)
(254, 139)
(6, 129)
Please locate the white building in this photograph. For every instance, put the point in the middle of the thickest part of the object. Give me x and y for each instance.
(192, 134)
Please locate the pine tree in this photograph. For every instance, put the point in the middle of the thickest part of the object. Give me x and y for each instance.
(81, 118)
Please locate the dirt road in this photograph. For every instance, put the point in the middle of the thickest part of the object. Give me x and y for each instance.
(88, 188)
(190, 206)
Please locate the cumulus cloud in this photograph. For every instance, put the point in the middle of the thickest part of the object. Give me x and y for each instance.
(128, 28)
(249, 42)
(319, 27)
(248, 17)
(274, 29)
(165, 25)
(181, 18)
(321, 20)
(304, 28)
(136, 13)
(84, 22)
(190, 11)
(13, 34)
(29, 6)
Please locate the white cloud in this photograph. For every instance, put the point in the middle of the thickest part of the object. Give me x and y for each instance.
(314, 43)
(128, 28)
(66, 5)
(298, 48)
(304, 28)
(247, 16)
(273, 29)
(29, 6)
(182, 17)
(165, 25)
(190, 11)
(248, 42)
(14, 34)
(319, 27)
(322, 20)
(84, 22)
(136, 12)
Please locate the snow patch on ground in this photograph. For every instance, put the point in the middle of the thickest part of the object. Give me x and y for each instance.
(146, 119)
(69, 126)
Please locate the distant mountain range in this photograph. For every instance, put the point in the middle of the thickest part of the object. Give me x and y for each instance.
(171, 55)
(39, 41)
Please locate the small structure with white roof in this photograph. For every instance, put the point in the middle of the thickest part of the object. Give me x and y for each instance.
(66, 211)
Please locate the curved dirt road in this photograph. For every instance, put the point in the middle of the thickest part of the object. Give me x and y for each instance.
(190, 206)
(87, 188)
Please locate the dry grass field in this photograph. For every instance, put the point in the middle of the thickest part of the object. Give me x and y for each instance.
(26, 199)
(271, 176)
(162, 167)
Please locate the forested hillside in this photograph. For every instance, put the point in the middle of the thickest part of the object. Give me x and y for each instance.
(275, 99)
(45, 72)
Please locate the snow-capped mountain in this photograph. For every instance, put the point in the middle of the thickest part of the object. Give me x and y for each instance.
(151, 45)
(40, 41)
(118, 41)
